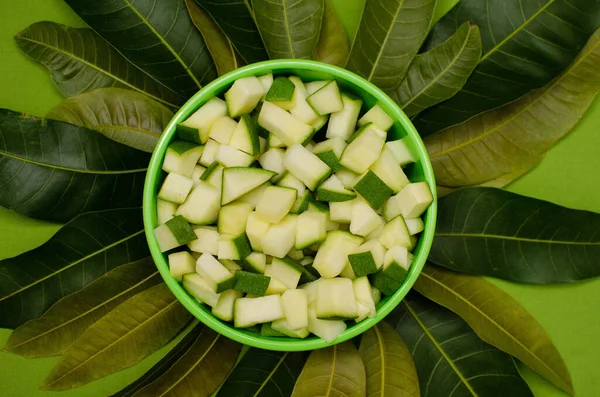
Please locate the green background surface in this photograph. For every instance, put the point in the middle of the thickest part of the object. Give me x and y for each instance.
(569, 176)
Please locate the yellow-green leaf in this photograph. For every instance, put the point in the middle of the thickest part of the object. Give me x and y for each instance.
(498, 319)
(333, 371)
(200, 370)
(495, 143)
(122, 338)
(333, 46)
(64, 322)
(389, 365)
(122, 115)
(224, 55)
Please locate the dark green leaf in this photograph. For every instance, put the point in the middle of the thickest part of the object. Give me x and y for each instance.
(132, 331)
(289, 29)
(124, 116)
(332, 371)
(511, 140)
(498, 319)
(80, 60)
(79, 253)
(164, 364)
(388, 38)
(492, 232)
(156, 35)
(333, 46)
(236, 20)
(451, 360)
(200, 370)
(264, 373)
(441, 72)
(55, 171)
(389, 366)
(526, 44)
(225, 56)
(64, 322)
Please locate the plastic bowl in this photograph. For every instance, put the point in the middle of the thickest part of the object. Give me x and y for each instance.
(421, 170)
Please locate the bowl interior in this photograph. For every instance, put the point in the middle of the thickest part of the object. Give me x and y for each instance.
(421, 170)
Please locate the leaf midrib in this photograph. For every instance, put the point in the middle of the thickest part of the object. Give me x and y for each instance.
(444, 71)
(332, 374)
(382, 355)
(385, 40)
(439, 348)
(119, 339)
(105, 248)
(74, 170)
(105, 72)
(518, 113)
(63, 324)
(271, 374)
(477, 309)
(515, 238)
(497, 46)
(192, 367)
(163, 41)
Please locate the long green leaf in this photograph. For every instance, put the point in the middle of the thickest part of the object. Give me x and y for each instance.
(225, 56)
(158, 36)
(79, 253)
(498, 142)
(80, 60)
(64, 322)
(124, 116)
(389, 366)
(332, 371)
(492, 232)
(388, 38)
(289, 29)
(236, 20)
(451, 360)
(498, 319)
(164, 364)
(122, 338)
(264, 373)
(200, 370)
(333, 46)
(441, 72)
(55, 171)
(526, 44)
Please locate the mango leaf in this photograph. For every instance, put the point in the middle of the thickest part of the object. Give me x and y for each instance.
(492, 232)
(157, 36)
(55, 171)
(164, 363)
(200, 370)
(497, 142)
(124, 116)
(64, 322)
(332, 371)
(133, 330)
(441, 72)
(80, 252)
(498, 319)
(389, 36)
(80, 61)
(289, 29)
(333, 46)
(225, 56)
(236, 20)
(450, 358)
(264, 373)
(389, 366)
(525, 46)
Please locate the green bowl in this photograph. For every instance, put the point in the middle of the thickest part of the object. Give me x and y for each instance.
(307, 71)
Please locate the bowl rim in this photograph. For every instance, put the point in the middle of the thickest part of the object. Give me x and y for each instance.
(155, 167)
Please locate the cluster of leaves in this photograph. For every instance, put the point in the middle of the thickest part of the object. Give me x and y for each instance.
(489, 95)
